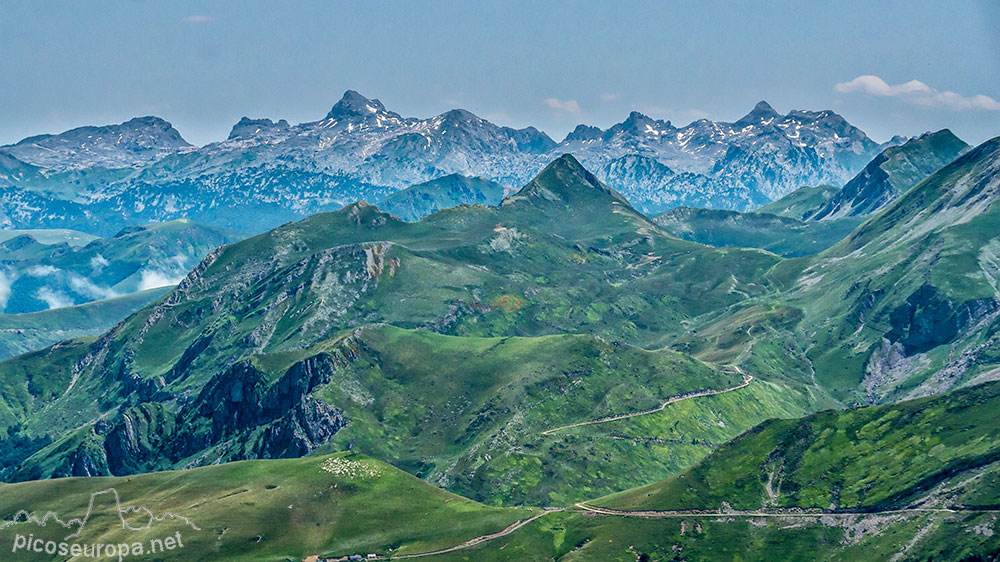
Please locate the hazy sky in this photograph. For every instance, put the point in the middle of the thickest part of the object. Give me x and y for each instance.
(203, 65)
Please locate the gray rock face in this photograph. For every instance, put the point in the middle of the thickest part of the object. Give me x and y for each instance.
(300, 431)
(132, 144)
(248, 128)
(237, 415)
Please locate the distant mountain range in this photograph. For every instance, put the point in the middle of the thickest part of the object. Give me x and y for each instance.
(133, 144)
(265, 173)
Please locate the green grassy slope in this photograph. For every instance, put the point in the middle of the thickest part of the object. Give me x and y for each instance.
(441, 345)
(513, 270)
(890, 174)
(799, 202)
(418, 201)
(650, 447)
(931, 454)
(566, 254)
(264, 510)
(905, 306)
(870, 458)
(785, 236)
(913, 288)
(469, 414)
(811, 219)
(20, 333)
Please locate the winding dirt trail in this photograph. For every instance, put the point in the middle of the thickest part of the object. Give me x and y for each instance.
(478, 540)
(774, 512)
(586, 508)
(672, 400)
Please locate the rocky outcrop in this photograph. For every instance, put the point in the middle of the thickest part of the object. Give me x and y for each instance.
(264, 420)
(300, 431)
(887, 367)
(137, 441)
(238, 414)
(927, 319)
(232, 401)
(87, 459)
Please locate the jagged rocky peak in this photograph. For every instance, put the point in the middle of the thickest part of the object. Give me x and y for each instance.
(637, 119)
(830, 121)
(760, 112)
(247, 127)
(896, 140)
(638, 124)
(531, 140)
(353, 104)
(584, 133)
(567, 166)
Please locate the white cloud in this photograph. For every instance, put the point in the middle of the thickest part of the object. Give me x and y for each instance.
(54, 299)
(151, 279)
(569, 106)
(98, 262)
(5, 283)
(610, 96)
(917, 93)
(165, 273)
(198, 18)
(42, 270)
(87, 287)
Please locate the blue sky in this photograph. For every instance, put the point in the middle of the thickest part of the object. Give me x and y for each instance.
(203, 65)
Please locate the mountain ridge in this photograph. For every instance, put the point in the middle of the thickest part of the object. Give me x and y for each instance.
(133, 143)
(361, 150)
(894, 171)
